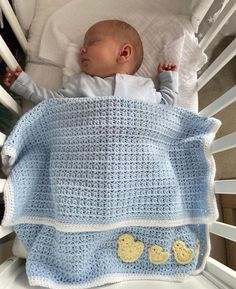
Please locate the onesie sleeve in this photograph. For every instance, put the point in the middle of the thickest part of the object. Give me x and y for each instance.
(168, 87)
(27, 88)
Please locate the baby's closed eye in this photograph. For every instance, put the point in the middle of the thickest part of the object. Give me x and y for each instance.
(93, 42)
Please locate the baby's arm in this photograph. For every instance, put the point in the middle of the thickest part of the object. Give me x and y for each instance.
(19, 82)
(168, 83)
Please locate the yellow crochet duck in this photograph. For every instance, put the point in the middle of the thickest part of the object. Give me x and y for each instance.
(183, 255)
(157, 256)
(129, 250)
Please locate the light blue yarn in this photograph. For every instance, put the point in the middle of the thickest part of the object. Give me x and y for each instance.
(56, 254)
(105, 160)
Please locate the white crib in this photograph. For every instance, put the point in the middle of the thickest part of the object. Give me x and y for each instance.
(215, 275)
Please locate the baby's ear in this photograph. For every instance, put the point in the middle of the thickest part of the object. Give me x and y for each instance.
(125, 53)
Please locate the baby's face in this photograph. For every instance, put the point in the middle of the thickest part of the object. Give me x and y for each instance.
(98, 56)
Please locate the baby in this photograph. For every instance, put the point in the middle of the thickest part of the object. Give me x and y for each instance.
(111, 54)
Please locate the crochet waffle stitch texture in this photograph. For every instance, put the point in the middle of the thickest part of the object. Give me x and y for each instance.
(86, 168)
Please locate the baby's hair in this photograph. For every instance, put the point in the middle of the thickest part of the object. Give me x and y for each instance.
(127, 33)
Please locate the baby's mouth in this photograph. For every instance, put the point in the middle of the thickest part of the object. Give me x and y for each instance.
(84, 60)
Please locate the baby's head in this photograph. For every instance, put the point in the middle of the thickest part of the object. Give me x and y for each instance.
(110, 47)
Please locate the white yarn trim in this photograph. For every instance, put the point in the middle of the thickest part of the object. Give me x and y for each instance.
(73, 228)
(8, 198)
(111, 278)
(8, 155)
(207, 252)
(211, 200)
(212, 168)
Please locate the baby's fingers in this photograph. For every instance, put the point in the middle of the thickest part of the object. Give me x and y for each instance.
(160, 68)
(173, 67)
(167, 67)
(18, 70)
(7, 81)
(10, 76)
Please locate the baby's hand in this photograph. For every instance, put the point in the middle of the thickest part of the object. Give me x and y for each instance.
(166, 67)
(11, 76)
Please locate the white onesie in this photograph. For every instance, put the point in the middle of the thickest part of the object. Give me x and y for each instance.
(84, 85)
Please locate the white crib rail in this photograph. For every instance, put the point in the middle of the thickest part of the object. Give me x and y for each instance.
(214, 270)
(2, 139)
(2, 184)
(225, 187)
(9, 270)
(5, 231)
(7, 56)
(11, 18)
(219, 23)
(224, 143)
(9, 102)
(224, 230)
(222, 102)
(218, 64)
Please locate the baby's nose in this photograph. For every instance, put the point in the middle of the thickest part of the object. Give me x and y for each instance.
(82, 50)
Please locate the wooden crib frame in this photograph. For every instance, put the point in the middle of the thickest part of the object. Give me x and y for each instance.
(215, 275)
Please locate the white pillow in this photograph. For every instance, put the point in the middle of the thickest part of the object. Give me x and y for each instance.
(70, 23)
(43, 9)
(24, 13)
(34, 15)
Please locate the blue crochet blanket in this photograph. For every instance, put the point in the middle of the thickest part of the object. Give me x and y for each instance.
(108, 189)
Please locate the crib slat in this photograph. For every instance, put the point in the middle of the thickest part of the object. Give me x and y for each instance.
(12, 20)
(224, 143)
(5, 231)
(219, 273)
(8, 101)
(216, 66)
(7, 56)
(225, 100)
(9, 271)
(224, 230)
(225, 187)
(2, 184)
(219, 23)
(2, 139)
